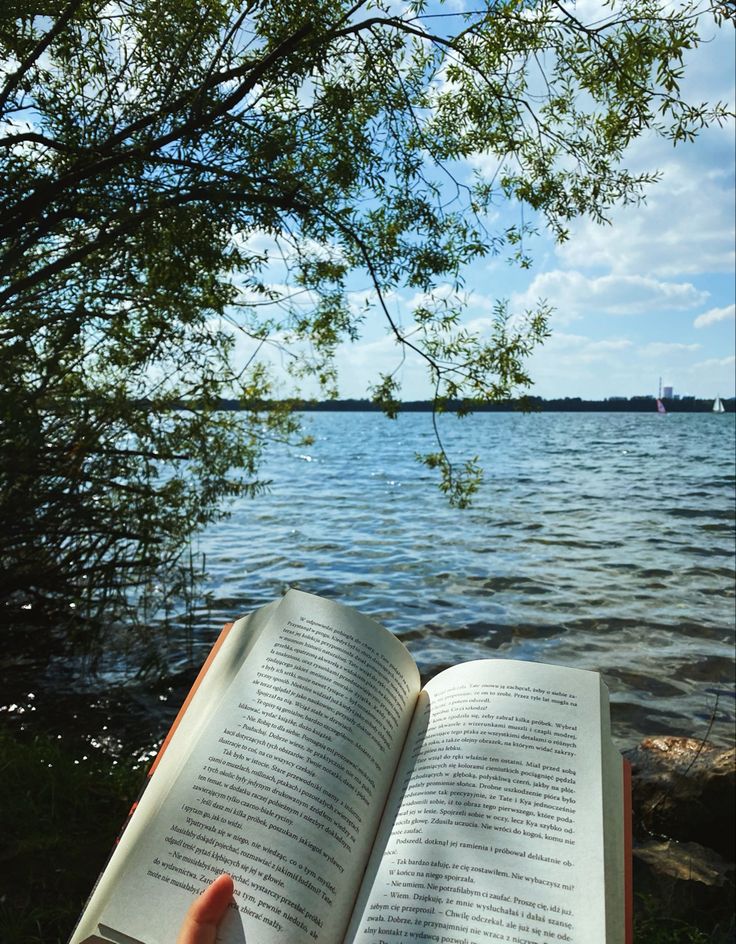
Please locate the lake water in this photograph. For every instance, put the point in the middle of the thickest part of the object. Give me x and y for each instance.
(602, 541)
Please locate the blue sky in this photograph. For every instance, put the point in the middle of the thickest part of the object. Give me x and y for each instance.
(650, 296)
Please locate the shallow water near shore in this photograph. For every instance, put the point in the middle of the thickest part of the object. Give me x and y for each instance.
(601, 541)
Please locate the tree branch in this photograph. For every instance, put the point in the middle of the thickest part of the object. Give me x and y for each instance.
(38, 50)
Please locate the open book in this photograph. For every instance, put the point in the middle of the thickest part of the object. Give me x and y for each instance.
(351, 805)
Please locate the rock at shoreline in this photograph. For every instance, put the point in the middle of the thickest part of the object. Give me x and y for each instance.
(683, 809)
(684, 789)
(685, 881)
(683, 862)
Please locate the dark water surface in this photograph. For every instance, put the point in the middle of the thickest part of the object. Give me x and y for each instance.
(603, 541)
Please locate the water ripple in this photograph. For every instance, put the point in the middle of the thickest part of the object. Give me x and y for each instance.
(604, 541)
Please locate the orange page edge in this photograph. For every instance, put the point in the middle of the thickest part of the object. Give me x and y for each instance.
(182, 711)
(628, 857)
(187, 701)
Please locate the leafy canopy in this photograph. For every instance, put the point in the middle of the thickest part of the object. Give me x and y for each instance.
(149, 149)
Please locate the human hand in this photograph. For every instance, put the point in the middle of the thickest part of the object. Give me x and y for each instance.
(200, 922)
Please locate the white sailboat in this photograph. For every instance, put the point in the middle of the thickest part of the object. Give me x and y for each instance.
(718, 406)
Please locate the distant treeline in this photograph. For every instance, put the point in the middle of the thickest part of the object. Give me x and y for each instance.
(562, 405)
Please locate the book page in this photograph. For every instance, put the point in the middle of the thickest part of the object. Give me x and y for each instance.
(494, 829)
(283, 788)
(233, 648)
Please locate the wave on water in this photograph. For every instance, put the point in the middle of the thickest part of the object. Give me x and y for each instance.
(599, 540)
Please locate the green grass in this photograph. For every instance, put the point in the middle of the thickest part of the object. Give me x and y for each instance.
(58, 821)
(655, 924)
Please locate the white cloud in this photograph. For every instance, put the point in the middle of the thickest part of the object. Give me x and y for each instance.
(281, 294)
(678, 232)
(686, 225)
(446, 293)
(574, 295)
(715, 363)
(577, 365)
(666, 349)
(570, 365)
(615, 344)
(360, 364)
(715, 314)
(711, 377)
(578, 351)
(9, 65)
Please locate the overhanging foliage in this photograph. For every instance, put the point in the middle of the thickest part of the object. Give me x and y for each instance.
(146, 146)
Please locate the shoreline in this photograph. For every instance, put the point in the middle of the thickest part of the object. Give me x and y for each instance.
(643, 404)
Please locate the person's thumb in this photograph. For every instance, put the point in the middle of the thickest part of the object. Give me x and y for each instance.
(200, 922)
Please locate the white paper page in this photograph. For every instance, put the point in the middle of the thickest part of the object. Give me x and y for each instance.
(284, 788)
(494, 827)
(235, 648)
